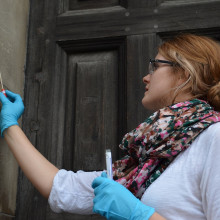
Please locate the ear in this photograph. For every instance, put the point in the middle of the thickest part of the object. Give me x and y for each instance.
(183, 76)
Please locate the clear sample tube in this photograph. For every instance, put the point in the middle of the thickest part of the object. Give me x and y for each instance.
(108, 156)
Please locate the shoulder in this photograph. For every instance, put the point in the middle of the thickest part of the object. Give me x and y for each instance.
(191, 180)
(210, 178)
(209, 137)
(212, 129)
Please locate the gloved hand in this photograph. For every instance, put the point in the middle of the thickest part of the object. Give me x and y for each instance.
(114, 201)
(12, 109)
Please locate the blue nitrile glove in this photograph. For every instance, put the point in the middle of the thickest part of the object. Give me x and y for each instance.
(12, 109)
(114, 201)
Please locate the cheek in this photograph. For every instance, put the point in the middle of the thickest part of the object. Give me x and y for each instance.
(164, 82)
(162, 90)
(160, 93)
(160, 85)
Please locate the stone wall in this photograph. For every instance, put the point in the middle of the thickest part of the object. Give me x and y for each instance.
(13, 41)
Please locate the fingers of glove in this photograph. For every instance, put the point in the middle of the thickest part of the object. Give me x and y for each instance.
(103, 192)
(3, 99)
(98, 181)
(97, 199)
(104, 174)
(19, 105)
(13, 97)
(16, 100)
(12, 108)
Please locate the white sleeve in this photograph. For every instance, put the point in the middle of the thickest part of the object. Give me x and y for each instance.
(72, 192)
(210, 181)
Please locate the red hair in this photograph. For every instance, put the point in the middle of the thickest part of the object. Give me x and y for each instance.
(199, 57)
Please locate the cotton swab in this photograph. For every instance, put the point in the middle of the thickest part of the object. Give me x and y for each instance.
(3, 91)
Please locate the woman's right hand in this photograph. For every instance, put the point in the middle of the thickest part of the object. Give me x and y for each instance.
(12, 109)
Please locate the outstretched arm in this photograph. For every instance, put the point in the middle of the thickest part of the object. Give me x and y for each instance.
(34, 165)
(156, 216)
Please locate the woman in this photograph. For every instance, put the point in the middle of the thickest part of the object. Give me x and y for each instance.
(171, 163)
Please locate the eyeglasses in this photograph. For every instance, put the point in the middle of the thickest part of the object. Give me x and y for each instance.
(153, 64)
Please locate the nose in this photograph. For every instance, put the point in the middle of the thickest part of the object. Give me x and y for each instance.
(146, 79)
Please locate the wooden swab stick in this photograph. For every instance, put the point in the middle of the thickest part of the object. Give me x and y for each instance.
(3, 91)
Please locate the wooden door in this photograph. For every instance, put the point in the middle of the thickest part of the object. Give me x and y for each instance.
(83, 88)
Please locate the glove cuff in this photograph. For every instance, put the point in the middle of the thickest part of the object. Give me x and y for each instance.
(142, 212)
(7, 126)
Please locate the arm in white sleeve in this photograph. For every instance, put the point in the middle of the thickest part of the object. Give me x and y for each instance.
(72, 192)
(210, 181)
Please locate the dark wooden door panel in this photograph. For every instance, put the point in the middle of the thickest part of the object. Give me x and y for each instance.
(67, 216)
(88, 4)
(143, 47)
(95, 93)
(121, 21)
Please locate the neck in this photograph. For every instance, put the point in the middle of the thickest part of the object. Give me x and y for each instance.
(183, 97)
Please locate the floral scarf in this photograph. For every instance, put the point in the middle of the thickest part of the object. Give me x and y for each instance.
(155, 143)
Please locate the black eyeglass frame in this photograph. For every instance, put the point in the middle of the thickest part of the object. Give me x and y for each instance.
(159, 61)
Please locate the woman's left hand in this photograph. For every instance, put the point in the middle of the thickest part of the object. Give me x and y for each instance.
(114, 201)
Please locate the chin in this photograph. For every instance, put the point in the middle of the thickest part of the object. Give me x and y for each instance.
(152, 105)
(147, 105)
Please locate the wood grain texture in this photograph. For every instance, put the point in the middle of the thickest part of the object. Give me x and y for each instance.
(122, 22)
(96, 100)
(87, 4)
(143, 47)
